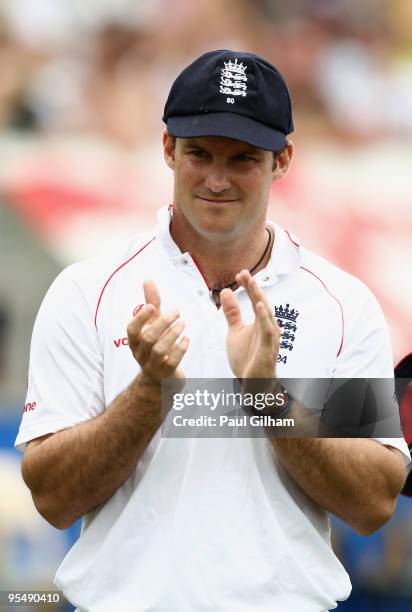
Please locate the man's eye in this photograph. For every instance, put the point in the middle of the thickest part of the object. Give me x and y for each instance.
(197, 153)
(244, 158)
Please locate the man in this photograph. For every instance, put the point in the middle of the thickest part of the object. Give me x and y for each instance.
(215, 524)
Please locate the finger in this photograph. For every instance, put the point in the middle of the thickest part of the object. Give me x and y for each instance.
(268, 332)
(165, 344)
(175, 356)
(231, 308)
(244, 278)
(138, 322)
(255, 293)
(152, 295)
(151, 333)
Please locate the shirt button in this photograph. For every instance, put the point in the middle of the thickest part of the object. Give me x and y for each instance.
(185, 261)
(266, 278)
(200, 292)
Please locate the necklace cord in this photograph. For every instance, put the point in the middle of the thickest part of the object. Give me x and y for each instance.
(216, 290)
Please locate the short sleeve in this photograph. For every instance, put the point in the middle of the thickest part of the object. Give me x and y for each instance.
(367, 351)
(366, 348)
(65, 381)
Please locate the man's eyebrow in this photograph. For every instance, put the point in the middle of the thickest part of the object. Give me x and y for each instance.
(192, 143)
(249, 150)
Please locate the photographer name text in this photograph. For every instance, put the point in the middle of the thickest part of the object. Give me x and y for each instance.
(232, 421)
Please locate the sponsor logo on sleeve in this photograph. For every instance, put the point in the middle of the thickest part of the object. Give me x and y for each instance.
(29, 406)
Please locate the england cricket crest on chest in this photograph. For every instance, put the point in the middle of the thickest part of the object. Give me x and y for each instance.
(286, 318)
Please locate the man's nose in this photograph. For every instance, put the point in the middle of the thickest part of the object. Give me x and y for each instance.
(217, 178)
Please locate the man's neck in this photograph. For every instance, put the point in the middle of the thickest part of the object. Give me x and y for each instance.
(219, 262)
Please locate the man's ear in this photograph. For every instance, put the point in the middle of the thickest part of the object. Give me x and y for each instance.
(283, 160)
(169, 145)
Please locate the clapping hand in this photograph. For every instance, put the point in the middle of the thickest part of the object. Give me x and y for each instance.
(252, 349)
(154, 338)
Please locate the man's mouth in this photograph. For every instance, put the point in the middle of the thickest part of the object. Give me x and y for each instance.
(217, 200)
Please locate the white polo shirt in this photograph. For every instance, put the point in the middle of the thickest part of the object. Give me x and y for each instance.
(202, 524)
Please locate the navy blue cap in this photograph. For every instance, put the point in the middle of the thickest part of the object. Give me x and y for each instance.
(232, 94)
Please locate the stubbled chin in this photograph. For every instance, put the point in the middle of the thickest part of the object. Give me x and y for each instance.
(216, 225)
(212, 222)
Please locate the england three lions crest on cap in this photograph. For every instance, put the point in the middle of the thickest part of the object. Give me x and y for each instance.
(286, 318)
(233, 80)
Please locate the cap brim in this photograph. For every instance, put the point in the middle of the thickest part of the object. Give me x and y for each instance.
(228, 125)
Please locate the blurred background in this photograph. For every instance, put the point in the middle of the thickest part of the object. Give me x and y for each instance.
(82, 90)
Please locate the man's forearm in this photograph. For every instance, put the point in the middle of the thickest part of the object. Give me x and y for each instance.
(77, 469)
(357, 479)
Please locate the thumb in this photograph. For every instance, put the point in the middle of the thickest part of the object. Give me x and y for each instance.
(231, 309)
